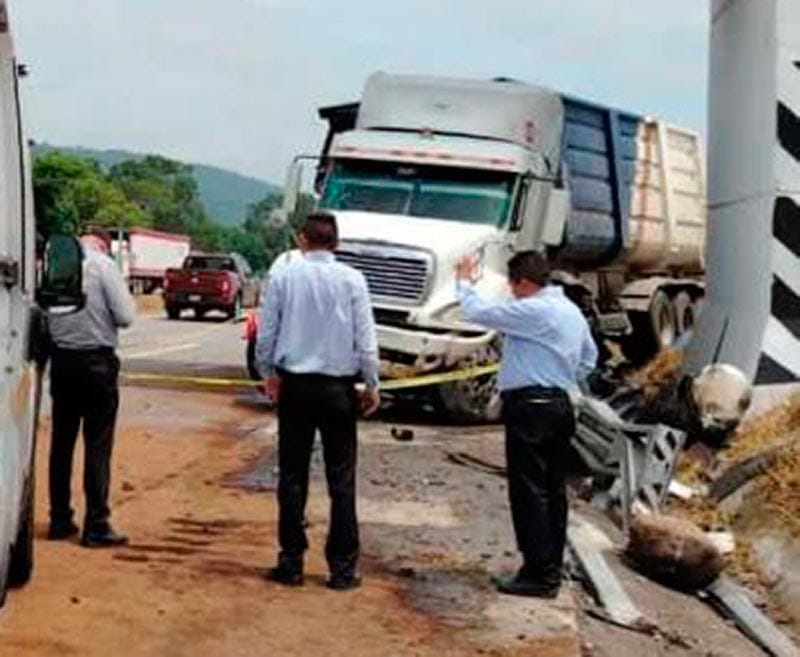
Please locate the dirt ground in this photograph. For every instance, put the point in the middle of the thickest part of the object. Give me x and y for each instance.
(194, 479)
(192, 488)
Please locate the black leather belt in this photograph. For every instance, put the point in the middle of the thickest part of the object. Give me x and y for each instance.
(534, 392)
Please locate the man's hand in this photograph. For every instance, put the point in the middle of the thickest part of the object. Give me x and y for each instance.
(272, 386)
(370, 401)
(466, 269)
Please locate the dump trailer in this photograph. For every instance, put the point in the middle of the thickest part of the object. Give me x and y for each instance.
(422, 171)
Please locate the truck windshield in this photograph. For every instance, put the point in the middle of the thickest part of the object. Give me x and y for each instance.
(209, 263)
(468, 195)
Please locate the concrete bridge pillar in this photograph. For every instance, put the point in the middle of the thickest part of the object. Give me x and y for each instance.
(751, 316)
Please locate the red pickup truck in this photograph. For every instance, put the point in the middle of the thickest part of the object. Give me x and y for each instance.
(214, 281)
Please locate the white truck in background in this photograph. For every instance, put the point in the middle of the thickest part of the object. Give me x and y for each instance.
(22, 347)
(144, 255)
(424, 170)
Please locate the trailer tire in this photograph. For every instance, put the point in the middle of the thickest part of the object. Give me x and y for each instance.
(20, 565)
(683, 307)
(653, 330)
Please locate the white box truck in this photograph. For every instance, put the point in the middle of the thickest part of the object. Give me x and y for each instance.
(422, 171)
(144, 255)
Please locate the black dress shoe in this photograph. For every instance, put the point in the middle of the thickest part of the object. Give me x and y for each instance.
(343, 582)
(524, 586)
(286, 575)
(102, 537)
(60, 531)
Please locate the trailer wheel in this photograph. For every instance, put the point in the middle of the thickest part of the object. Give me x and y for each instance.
(653, 330)
(683, 308)
(20, 566)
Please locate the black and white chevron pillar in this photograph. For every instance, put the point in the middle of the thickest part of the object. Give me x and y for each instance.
(780, 357)
(751, 317)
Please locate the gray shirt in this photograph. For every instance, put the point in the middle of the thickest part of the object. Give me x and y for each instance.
(109, 306)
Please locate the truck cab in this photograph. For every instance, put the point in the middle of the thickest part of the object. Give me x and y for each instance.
(423, 171)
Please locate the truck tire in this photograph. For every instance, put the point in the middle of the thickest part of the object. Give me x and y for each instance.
(20, 565)
(173, 312)
(475, 400)
(653, 330)
(683, 307)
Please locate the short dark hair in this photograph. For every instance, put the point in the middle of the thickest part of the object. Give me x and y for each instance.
(102, 234)
(320, 230)
(529, 266)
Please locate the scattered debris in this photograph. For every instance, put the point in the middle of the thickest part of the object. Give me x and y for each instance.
(736, 604)
(470, 461)
(674, 551)
(681, 490)
(582, 537)
(725, 542)
(402, 435)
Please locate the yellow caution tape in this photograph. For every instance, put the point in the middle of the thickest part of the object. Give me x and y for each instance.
(391, 384)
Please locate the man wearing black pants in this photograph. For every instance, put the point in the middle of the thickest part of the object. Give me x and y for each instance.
(317, 336)
(83, 384)
(547, 349)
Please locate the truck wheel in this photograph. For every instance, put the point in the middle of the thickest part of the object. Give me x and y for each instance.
(252, 370)
(474, 400)
(21, 564)
(683, 308)
(653, 330)
(173, 312)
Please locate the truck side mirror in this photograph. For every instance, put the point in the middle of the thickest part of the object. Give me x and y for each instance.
(278, 219)
(294, 178)
(61, 284)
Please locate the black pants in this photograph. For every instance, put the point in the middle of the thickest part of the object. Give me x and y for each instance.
(309, 403)
(83, 385)
(539, 425)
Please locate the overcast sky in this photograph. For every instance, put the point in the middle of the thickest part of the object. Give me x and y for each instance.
(236, 83)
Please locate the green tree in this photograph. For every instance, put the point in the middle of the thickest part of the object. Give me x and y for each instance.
(165, 189)
(72, 193)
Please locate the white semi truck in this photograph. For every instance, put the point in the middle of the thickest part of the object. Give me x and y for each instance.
(425, 170)
(21, 342)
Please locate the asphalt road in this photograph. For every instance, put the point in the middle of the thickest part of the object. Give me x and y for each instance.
(212, 347)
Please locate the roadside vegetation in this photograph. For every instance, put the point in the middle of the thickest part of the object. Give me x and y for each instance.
(73, 192)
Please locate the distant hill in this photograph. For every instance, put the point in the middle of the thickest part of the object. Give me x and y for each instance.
(225, 194)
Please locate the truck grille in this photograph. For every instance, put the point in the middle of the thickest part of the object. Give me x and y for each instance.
(394, 274)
